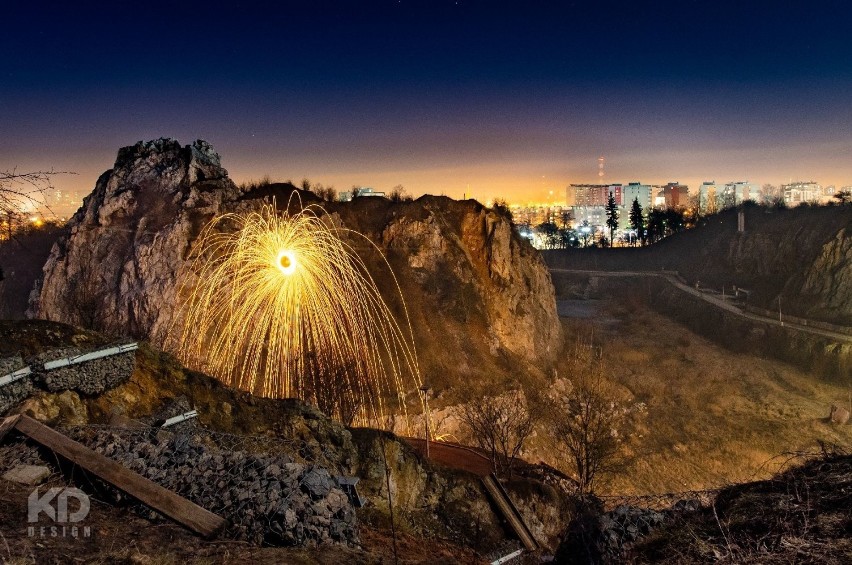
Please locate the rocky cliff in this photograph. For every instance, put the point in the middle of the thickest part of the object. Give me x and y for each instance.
(802, 256)
(480, 300)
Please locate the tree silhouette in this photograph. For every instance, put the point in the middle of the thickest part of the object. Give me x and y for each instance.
(22, 192)
(500, 425)
(637, 219)
(611, 217)
(589, 420)
(656, 225)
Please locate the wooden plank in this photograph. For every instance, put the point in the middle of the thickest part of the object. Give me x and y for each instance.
(504, 504)
(164, 501)
(7, 425)
(515, 510)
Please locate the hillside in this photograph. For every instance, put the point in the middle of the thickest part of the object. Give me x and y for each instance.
(802, 255)
(233, 459)
(711, 416)
(800, 515)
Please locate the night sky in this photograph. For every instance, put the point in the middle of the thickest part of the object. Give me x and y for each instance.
(484, 98)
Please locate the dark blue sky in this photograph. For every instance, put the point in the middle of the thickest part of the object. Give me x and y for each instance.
(508, 99)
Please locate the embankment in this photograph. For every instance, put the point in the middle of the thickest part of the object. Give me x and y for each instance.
(820, 355)
(802, 256)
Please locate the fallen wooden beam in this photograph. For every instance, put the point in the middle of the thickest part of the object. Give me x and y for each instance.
(509, 511)
(148, 492)
(7, 424)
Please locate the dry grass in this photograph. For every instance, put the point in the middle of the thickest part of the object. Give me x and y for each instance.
(802, 515)
(713, 417)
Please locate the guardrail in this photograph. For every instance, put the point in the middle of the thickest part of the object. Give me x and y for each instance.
(846, 330)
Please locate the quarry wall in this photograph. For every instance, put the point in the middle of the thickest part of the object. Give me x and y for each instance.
(822, 356)
(480, 299)
(802, 255)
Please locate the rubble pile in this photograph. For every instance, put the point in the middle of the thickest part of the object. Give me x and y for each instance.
(267, 499)
(91, 377)
(625, 525)
(87, 378)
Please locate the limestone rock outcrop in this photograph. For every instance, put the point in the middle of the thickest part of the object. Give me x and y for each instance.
(117, 268)
(830, 278)
(480, 299)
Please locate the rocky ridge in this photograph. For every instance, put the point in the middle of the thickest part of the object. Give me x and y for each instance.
(480, 299)
(268, 466)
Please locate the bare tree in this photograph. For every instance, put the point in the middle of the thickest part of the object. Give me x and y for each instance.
(770, 194)
(398, 194)
(327, 193)
(21, 193)
(589, 420)
(500, 425)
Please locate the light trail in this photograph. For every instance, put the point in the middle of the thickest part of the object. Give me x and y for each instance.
(282, 306)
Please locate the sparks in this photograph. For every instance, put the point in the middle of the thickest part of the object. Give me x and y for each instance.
(282, 306)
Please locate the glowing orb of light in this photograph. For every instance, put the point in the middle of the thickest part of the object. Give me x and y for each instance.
(322, 333)
(286, 262)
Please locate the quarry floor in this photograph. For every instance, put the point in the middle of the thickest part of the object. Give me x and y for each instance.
(712, 417)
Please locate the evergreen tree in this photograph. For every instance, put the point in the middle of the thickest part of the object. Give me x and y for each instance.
(637, 220)
(656, 224)
(611, 217)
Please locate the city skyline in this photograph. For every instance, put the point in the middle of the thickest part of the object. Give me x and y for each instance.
(458, 98)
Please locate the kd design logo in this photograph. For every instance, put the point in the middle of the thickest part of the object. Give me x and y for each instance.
(36, 505)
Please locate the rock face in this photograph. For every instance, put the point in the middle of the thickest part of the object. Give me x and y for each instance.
(802, 256)
(830, 278)
(116, 270)
(480, 300)
(435, 502)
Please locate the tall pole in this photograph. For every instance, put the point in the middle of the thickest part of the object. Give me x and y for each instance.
(425, 390)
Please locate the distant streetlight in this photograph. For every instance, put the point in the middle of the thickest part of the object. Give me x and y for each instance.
(425, 390)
